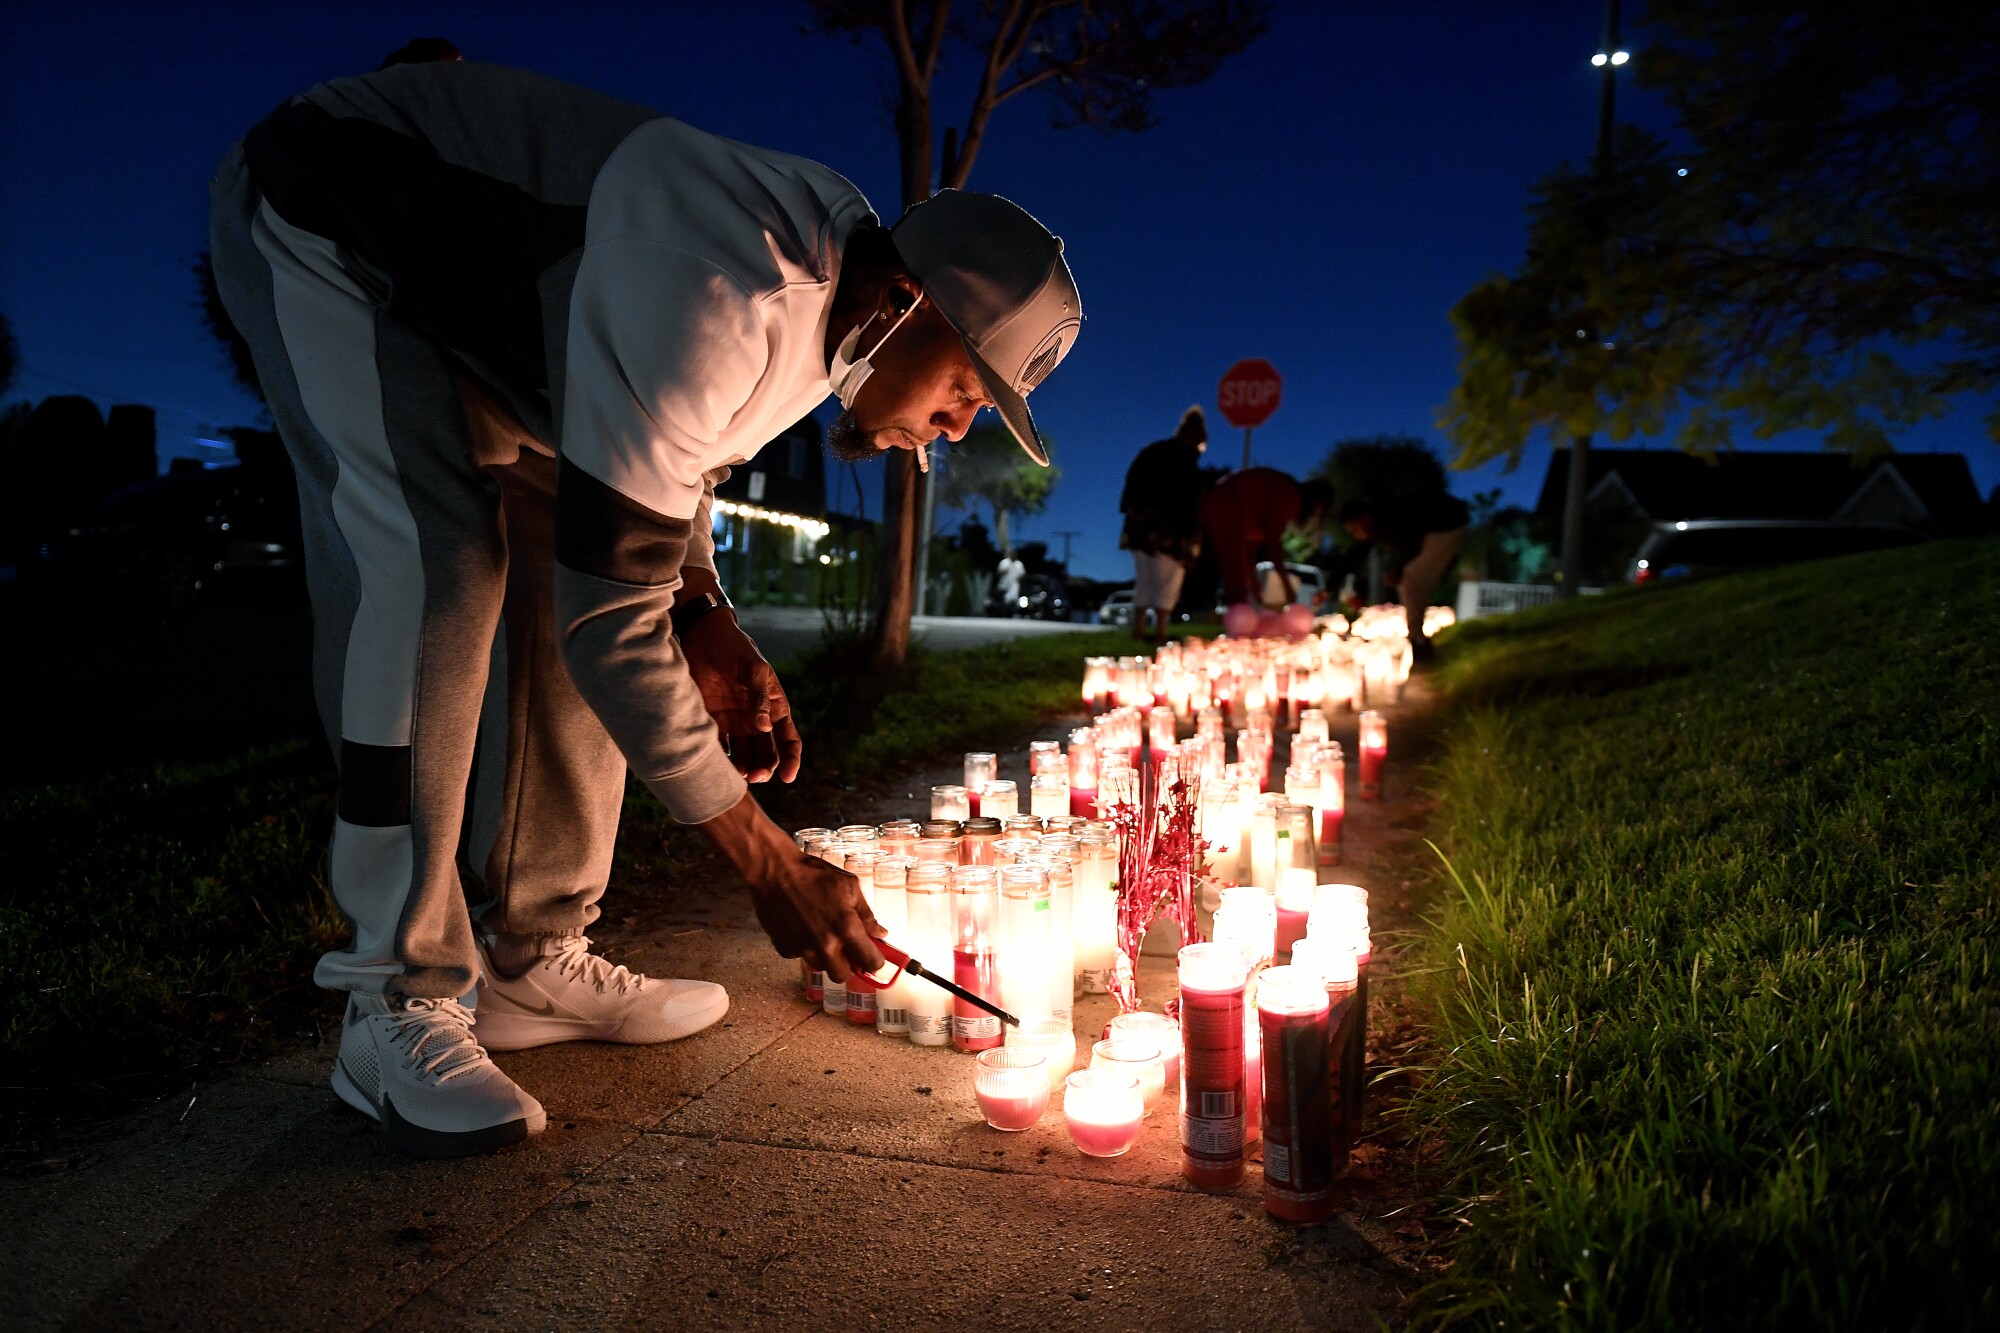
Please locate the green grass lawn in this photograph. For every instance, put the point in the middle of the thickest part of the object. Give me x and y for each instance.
(1716, 986)
(161, 917)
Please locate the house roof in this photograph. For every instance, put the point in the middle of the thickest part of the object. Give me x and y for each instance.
(1666, 484)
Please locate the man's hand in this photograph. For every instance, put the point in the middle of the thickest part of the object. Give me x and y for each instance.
(742, 694)
(809, 909)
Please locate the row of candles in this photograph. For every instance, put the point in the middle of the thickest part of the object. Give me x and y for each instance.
(1260, 1052)
(1026, 906)
(1272, 1008)
(1245, 676)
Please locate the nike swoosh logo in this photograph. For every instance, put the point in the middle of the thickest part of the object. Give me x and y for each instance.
(548, 1009)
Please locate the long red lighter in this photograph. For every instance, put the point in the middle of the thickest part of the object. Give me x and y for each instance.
(905, 963)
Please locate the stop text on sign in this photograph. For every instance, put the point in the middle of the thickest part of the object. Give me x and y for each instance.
(1249, 392)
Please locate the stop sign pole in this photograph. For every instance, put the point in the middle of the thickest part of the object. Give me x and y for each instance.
(1248, 395)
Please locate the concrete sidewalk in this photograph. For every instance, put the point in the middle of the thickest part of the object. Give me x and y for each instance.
(781, 1167)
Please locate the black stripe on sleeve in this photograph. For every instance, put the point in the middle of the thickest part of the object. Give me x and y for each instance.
(374, 784)
(608, 535)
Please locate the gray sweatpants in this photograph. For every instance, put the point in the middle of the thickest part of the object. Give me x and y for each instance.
(429, 558)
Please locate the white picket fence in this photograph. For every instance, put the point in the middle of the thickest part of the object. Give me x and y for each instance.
(1492, 599)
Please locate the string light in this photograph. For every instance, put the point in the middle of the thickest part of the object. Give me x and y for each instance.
(813, 527)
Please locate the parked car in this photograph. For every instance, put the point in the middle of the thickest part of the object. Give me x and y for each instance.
(1309, 581)
(1042, 597)
(1116, 609)
(1699, 546)
(190, 535)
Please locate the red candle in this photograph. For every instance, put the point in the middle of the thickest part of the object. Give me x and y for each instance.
(1301, 1141)
(1213, 1073)
(972, 1028)
(971, 802)
(861, 1000)
(1371, 771)
(1374, 749)
(1329, 834)
(1083, 802)
(1291, 927)
(975, 899)
(816, 986)
(1354, 1054)
(1253, 1072)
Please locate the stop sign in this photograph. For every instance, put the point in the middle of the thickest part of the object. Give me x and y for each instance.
(1248, 394)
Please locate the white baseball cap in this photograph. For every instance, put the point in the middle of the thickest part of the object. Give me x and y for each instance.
(999, 277)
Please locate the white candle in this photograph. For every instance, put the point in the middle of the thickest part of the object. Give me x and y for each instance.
(1022, 944)
(927, 906)
(1048, 794)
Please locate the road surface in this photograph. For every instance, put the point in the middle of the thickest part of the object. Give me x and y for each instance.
(782, 631)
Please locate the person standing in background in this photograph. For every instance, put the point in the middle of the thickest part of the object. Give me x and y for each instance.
(1421, 536)
(1162, 492)
(1243, 519)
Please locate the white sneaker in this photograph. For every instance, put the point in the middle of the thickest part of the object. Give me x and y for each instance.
(413, 1066)
(571, 994)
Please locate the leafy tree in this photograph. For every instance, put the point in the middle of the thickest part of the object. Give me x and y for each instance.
(1094, 62)
(1381, 465)
(987, 467)
(1815, 246)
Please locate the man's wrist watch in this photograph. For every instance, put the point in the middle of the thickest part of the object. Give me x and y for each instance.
(693, 609)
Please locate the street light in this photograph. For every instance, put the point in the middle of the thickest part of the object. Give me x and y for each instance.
(1615, 58)
(1620, 57)
(1599, 59)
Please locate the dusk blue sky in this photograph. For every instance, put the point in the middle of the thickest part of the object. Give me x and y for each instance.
(1321, 202)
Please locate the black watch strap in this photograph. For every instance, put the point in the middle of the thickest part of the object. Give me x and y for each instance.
(693, 609)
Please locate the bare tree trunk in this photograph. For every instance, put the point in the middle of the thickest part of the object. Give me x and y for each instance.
(902, 486)
(1000, 530)
(895, 569)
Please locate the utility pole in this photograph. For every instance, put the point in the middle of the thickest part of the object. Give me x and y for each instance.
(1066, 536)
(1607, 61)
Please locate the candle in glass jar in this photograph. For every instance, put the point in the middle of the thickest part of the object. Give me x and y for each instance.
(1154, 1029)
(982, 832)
(975, 902)
(1048, 795)
(1301, 1140)
(950, 801)
(1000, 798)
(899, 837)
(1094, 910)
(1012, 1086)
(1023, 943)
(1213, 1069)
(1103, 1108)
(862, 992)
(890, 903)
(1135, 1056)
(981, 768)
(927, 905)
(1374, 753)
(1054, 1039)
(1082, 772)
(1058, 863)
(1294, 904)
